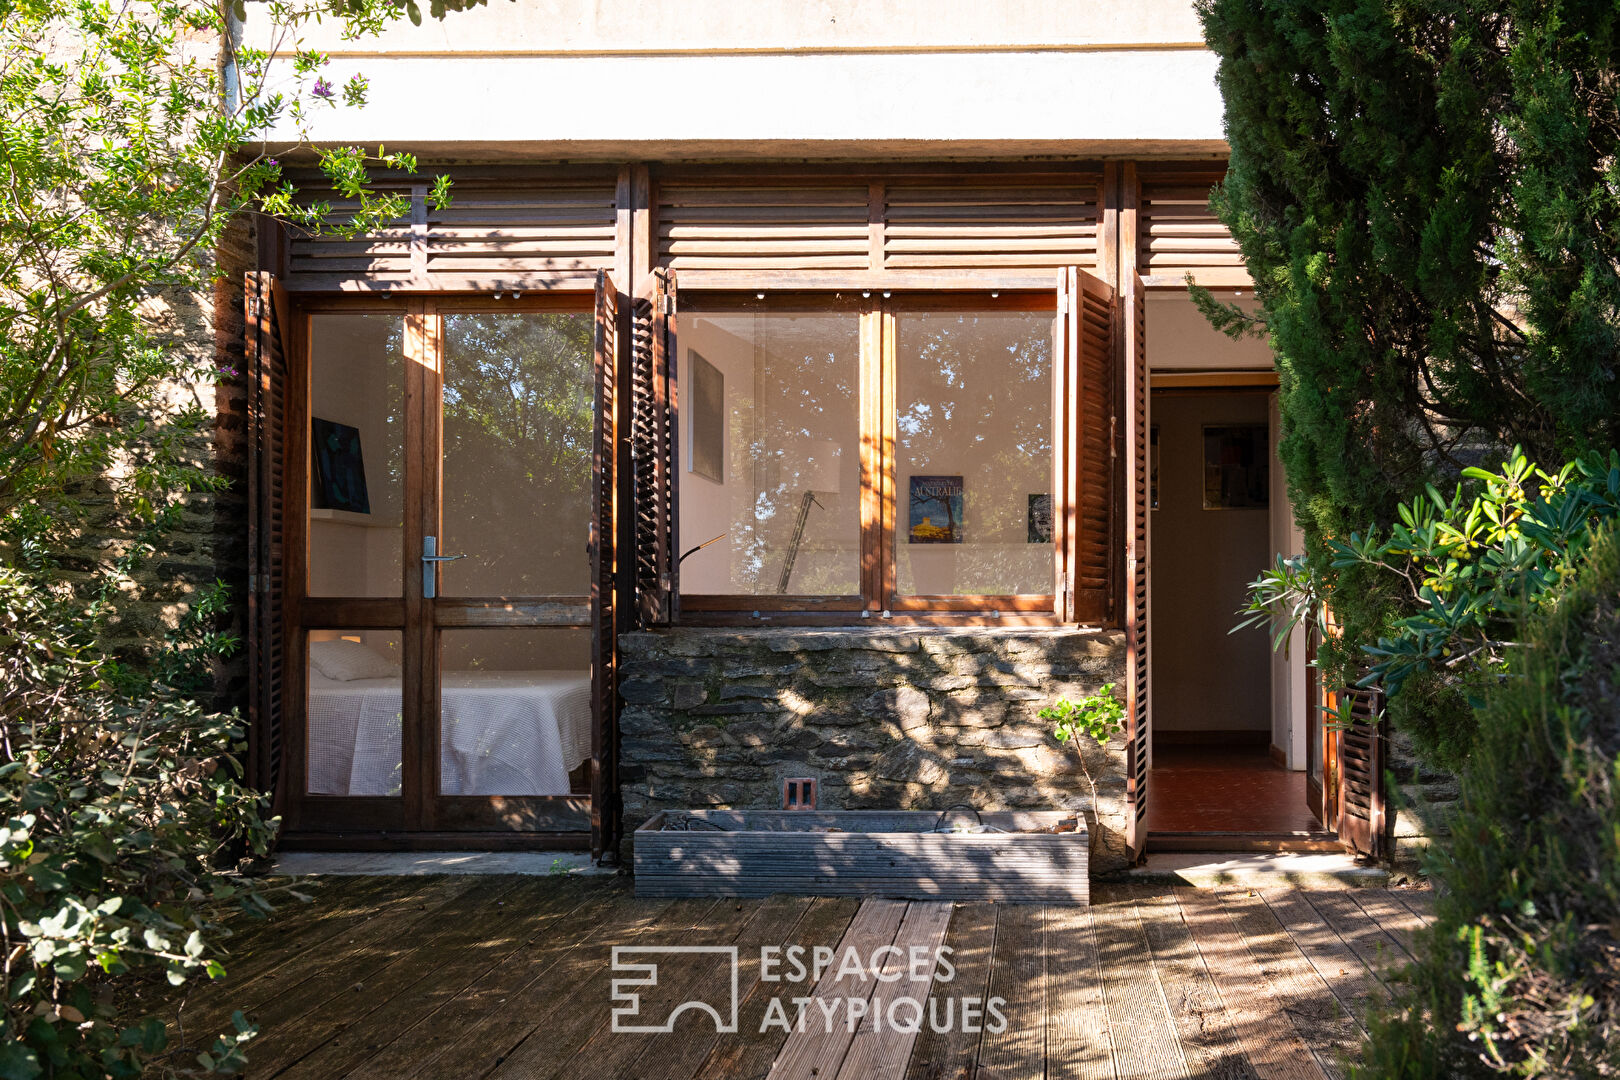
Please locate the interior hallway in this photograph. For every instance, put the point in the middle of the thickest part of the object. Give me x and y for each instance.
(1215, 789)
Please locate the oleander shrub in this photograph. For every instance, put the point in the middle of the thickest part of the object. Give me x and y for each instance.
(121, 803)
(1520, 973)
(1462, 573)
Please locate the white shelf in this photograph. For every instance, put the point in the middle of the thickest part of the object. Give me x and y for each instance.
(349, 517)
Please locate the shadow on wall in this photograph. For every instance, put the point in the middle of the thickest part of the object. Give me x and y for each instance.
(919, 720)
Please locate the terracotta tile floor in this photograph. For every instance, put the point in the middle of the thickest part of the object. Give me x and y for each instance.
(1207, 789)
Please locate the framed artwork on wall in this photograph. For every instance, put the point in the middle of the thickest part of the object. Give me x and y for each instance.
(1040, 518)
(340, 469)
(706, 430)
(1237, 467)
(936, 510)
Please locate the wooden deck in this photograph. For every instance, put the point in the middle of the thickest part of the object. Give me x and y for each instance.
(511, 977)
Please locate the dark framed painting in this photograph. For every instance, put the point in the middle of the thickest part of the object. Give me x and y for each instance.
(1237, 467)
(935, 510)
(340, 468)
(1040, 518)
(706, 430)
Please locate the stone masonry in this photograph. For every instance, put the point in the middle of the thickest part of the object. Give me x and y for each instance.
(882, 718)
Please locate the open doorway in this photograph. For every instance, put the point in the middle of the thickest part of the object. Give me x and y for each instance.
(1224, 772)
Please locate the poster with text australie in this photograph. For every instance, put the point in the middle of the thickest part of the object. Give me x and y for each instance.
(936, 510)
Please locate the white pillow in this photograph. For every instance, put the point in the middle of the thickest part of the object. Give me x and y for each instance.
(346, 661)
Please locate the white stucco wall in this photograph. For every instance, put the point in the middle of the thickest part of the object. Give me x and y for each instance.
(691, 78)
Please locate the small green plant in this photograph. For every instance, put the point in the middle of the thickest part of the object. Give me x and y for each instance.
(1099, 715)
(558, 868)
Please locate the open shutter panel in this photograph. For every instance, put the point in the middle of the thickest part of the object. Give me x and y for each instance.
(1139, 710)
(1088, 397)
(653, 453)
(604, 567)
(1362, 818)
(265, 359)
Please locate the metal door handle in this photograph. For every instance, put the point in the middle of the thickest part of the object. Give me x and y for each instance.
(430, 566)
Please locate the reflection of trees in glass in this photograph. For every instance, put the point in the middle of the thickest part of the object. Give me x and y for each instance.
(805, 395)
(390, 330)
(518, 430)
(976, 400)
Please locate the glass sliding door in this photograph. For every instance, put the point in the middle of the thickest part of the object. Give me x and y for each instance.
(507, 595)
(441, 635)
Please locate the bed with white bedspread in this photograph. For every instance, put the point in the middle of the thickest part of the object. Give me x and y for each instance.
(501, 733)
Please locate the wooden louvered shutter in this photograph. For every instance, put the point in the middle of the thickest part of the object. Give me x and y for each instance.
(265, 358)
(1362, 818)
(1139, 709)
(653, 453)
(1087, 397)
(604, 569)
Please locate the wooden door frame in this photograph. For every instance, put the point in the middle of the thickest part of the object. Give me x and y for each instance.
(418, 818)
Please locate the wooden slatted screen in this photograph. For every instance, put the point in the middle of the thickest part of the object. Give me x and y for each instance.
(653, 453)
(495, 234)
(604, 568)
(1177, 234)
(1138, 706)
(266, 372)
(511, 231)
(930, 225)
(1092, 330)
(937, 223)
(720, 225)
(1363, 824)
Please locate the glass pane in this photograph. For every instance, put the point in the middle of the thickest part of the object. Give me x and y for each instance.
(770, 447)
(518, 427)
(515, 712)
(974, 483)
(357, 454)
(354, 712)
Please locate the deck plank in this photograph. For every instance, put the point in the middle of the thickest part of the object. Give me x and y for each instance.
(1352, 982)
(1208, 1041)
(551, 1000)
(1018, 976)
(277, 965)
(1392, 916)
(1145, 1044)
(1273, 1047)
(749, 1054)
(583, 1045)
(813, 1050)
(417, 1047)
(1419, 902)
(878, 1051)
(1320, 1018)
(1359, 931)
(434, 973)
(1078, 1043)
(703, 977)
(370, 974)
(676, 1055)
(952, 1053)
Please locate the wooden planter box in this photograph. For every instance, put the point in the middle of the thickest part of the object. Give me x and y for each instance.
(1013, 855)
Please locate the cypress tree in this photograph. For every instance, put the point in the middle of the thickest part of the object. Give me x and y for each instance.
(1427, 194)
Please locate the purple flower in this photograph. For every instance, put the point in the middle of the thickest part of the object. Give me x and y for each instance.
(323, 89)
(272, 162)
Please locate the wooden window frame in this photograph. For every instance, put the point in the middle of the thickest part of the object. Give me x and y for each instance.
(877, 310)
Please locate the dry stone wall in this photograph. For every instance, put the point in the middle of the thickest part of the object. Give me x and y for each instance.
(882, 719)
